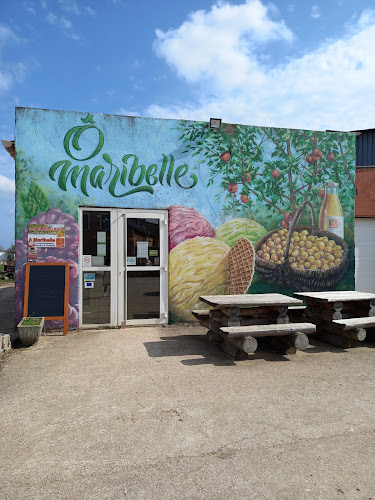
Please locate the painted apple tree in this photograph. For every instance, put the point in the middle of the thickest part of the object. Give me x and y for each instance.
(272, 171)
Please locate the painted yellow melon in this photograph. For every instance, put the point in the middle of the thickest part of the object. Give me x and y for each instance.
(198, 266)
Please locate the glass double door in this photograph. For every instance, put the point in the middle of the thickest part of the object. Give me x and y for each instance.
(142, 267)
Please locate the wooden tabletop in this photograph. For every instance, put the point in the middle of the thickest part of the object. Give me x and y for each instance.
(336, 296)
(250, 300)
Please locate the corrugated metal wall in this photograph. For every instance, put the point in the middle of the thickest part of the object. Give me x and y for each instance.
(365, 148)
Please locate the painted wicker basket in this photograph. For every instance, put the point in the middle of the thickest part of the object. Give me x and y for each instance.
(302, 280)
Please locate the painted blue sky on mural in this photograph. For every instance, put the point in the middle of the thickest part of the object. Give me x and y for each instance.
(286, 64)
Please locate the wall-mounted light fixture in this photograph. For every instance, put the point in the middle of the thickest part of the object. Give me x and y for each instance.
(215, 123)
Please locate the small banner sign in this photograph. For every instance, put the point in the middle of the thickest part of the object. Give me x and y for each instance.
(46, 235)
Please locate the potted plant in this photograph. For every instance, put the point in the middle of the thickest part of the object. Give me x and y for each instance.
(29, 330)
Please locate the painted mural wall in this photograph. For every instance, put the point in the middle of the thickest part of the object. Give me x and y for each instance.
(251, 209)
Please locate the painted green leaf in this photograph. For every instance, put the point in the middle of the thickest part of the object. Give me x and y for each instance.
(88, 119)
(34, 202)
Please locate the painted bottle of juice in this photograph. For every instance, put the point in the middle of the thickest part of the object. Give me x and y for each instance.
(331, 216)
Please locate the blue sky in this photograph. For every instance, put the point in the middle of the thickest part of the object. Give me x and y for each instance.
(286, 63)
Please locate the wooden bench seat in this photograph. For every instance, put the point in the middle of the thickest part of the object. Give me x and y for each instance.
(273, 330)
(353, 323)
(201, 313)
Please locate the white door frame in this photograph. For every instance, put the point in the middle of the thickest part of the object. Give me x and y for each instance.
(118, 269)
(112, 268)
(122, 268)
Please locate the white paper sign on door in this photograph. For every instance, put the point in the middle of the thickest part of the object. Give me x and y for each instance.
(86, 261)
(142, 249)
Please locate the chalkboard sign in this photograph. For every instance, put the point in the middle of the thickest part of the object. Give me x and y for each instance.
(47, 291)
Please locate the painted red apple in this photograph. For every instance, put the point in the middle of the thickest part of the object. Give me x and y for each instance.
(246, 177)
(330, 156)
(310, 159)
(225, 156)
(244, 198)
(283, 223)
(232, 187)
(321, 193)
(316, 154)
(275, 173)
(288, 217)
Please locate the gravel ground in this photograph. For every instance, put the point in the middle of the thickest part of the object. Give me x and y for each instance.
(159, 413)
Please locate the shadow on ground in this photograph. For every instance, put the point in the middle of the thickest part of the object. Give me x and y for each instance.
(208, 352)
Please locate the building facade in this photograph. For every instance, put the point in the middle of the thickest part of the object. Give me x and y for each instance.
(152, 213)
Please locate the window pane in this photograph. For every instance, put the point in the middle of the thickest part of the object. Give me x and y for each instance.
(97, 237)
(143, 294)
(142, 239)
(96, 303)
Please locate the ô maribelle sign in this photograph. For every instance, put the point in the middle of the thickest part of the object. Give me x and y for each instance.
(132, 177)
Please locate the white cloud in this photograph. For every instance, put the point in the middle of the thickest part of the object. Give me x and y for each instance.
(6, 172)
(7, 35)
(164, 76)
(7, 187)
(315, 11)
(291, 7)
(137, 63)
(51, 18)
(10, 73)
(65, 23)
(69, 6)
(6, 161)
(90, 11)
(43, 3)
(6, 79)
(330, 88)
(127, 112)
(29, 7)
(225, 37)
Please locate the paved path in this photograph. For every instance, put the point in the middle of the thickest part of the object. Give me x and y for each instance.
(158, 413)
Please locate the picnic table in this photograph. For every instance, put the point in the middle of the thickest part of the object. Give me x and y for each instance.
(341, 317)
(235, 322)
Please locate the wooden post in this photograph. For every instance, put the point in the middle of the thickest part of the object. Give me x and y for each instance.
(214, 313)
(250, 344)
(214, 324)
(325, 314)
(358, 334)
(282, 319)
(336, 340)
(229, 321)
(232, 312)
(214, 336)
(233, 351)
(248, 311)
(246, 344)
(298, 340)
(242, 321)
(205, 323)
(279, 346)
(333, 306)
